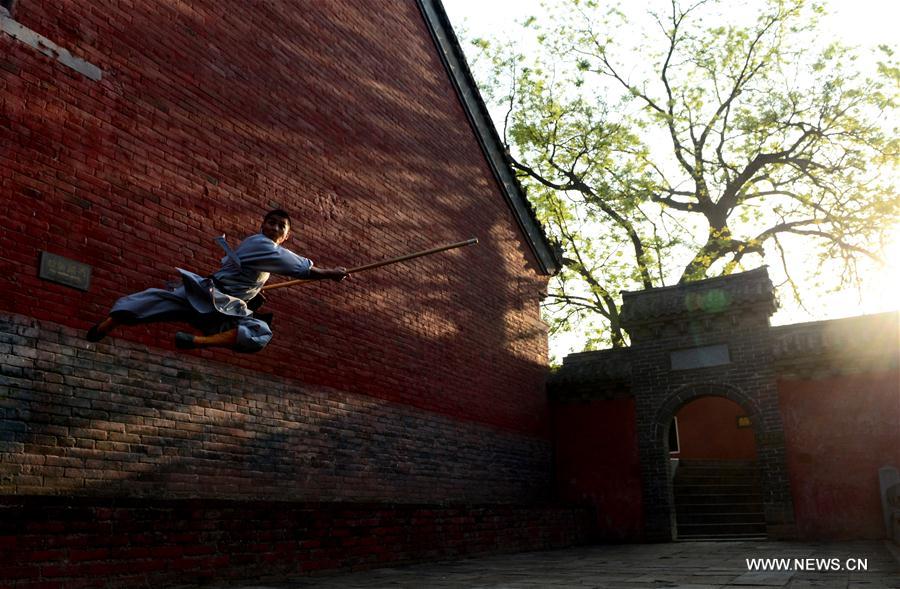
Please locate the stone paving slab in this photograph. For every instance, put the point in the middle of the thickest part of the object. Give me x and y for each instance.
(685, 565)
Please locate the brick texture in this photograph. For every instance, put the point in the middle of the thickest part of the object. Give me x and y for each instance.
(152, 543)
(734, 312)
(120, 419)
(206, 115)
(839, 432)
(381, 402)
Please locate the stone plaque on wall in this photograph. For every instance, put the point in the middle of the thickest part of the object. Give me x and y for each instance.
(702, 357)
(65, 271)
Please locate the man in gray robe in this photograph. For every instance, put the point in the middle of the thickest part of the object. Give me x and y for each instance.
(222, 305)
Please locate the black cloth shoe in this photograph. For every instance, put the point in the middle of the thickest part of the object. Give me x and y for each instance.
(94, 335)
(185, 341)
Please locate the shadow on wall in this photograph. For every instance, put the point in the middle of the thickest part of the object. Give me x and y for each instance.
(352, 124)
(122, 421)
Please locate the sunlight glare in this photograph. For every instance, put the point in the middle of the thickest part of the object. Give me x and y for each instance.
(882, 288)
(878, 292)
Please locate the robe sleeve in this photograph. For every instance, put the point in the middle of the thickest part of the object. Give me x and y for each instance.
(264, 256)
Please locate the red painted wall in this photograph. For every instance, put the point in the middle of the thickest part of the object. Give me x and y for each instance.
(839, 431)
(206, 116)
(707, 430)
(597, 463)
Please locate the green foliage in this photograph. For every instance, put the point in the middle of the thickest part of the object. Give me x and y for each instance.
(695, 152)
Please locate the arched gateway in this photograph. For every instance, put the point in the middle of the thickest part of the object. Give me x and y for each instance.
(704, 338)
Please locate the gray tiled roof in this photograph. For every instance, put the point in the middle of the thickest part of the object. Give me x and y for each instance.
(604, 372)
(454, 60)
(713, 295)
(854, 344)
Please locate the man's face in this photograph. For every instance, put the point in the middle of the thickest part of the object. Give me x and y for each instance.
(276, 228)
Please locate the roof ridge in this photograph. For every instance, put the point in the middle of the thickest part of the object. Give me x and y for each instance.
(454, 60)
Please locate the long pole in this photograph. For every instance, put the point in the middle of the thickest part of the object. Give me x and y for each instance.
(373, 265)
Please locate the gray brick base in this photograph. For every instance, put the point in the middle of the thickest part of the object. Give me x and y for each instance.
(118, 419)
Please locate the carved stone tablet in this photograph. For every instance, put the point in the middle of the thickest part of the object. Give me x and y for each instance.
(703, 357)
(65, 271)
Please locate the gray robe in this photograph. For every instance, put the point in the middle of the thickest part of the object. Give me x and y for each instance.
(219, 302)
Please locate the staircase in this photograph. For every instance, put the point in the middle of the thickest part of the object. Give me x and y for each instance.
(719, 500)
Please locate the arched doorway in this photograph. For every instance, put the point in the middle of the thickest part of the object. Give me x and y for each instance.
(656, 471)
(716, 487)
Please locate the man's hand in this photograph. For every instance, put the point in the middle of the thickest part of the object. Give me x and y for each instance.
(339, 273)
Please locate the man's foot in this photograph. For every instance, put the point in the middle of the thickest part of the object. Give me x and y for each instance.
(185, 341)
(94, 334)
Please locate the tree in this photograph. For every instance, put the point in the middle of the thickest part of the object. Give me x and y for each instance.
(729, 143)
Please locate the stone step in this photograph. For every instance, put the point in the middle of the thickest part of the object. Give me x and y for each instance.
(695, 508)
(687, 490)
(720, 500)
(717, 498)
(699, 472)
(708, 529)
(714, 472)
(684, 518)
(714, 483)
(717, 474)
(721, 537)
(716, 463)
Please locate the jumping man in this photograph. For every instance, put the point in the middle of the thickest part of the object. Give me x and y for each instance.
(222, 306)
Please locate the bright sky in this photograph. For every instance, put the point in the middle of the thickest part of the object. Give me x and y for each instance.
(858, 22)
(855, 22)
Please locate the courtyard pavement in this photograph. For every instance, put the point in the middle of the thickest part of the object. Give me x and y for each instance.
(688, 565)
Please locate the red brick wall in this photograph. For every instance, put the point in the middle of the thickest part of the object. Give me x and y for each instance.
(151, 543)
(597, 464)
(416, 384)
(127, 421)
(707, 430)
(839, 431)
(206, 116)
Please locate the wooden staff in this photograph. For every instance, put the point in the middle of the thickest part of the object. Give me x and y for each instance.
(435, 250)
